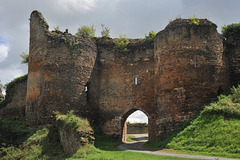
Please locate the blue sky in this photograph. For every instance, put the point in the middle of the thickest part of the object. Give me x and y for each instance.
(133, 18)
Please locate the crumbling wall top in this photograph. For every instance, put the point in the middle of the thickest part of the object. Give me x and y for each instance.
(36, 15)
(187, 22)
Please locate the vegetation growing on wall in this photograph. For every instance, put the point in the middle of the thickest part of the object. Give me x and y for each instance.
(86, 31)
(56, 29)
(194, 21)
(121, 44)
(71, 121)
(72, 46)
(9, 86)
(151, 35)
(105, 31)
(25, 57)
(231, 30)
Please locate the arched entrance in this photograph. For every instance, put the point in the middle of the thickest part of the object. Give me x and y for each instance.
(134, 119)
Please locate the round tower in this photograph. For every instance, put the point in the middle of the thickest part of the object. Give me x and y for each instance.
(189, 68)
(60, 72)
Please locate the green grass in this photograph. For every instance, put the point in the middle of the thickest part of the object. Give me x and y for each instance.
(43, 144)
(73, 122)
(14, 131)
(130, 138)
(23, 143)
(215, 132)
(105, 150)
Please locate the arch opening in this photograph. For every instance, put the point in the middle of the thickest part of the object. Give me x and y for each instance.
(135, 125)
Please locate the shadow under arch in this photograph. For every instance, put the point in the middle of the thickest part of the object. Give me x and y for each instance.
(124, 121)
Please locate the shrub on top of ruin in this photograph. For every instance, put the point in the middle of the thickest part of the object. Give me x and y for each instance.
(121, 43)
(73, 122)
(86, 31)
(230, 30)
(25, 57)
(56, 29)
(194, 21)
(151, 35)
(105, 31)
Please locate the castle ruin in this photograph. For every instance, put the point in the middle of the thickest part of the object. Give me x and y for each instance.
(170, 80)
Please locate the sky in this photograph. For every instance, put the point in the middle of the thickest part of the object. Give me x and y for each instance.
(134, 18)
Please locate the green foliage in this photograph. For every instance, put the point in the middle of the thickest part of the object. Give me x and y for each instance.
(73, 122)
(194, 21)
(105, 31)
(73, 45)
(43, 144)
(25, 57)
(86, 31)
(121, 44)
(231, 30)
(56, 29)
(151, 35)
(130, 138)
(13, 131)
(9, 86)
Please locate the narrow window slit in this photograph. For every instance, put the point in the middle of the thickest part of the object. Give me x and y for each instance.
(135, 80)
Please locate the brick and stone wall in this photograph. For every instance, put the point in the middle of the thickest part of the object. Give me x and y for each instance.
(232, 52)
(119, 96)
(15, 99)
(170, 79)
(190, 71)
(60, 67)
(137, 128)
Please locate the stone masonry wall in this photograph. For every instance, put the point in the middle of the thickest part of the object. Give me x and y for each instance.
(15, 101)
(60, 67)
(232, 52)
(119, 96)
(190, 71)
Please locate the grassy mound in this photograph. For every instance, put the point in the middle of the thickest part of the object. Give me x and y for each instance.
(216, 131)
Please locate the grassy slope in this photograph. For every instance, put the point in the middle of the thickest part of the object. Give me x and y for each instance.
(215, 132)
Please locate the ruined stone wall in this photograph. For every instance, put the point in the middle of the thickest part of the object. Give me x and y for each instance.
(190, 71)
(180, 72)
(119, 96)
(232, 52)
(60, 66)
(137, 129)
(15, 99)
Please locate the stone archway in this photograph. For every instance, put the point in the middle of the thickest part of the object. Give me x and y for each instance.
(124, 121)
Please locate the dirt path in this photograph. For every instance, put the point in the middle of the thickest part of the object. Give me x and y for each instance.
(138, 146)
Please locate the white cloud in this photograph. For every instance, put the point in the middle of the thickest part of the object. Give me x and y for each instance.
(3, 52)
(8, 74)
(137, 117)
(76, 5)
